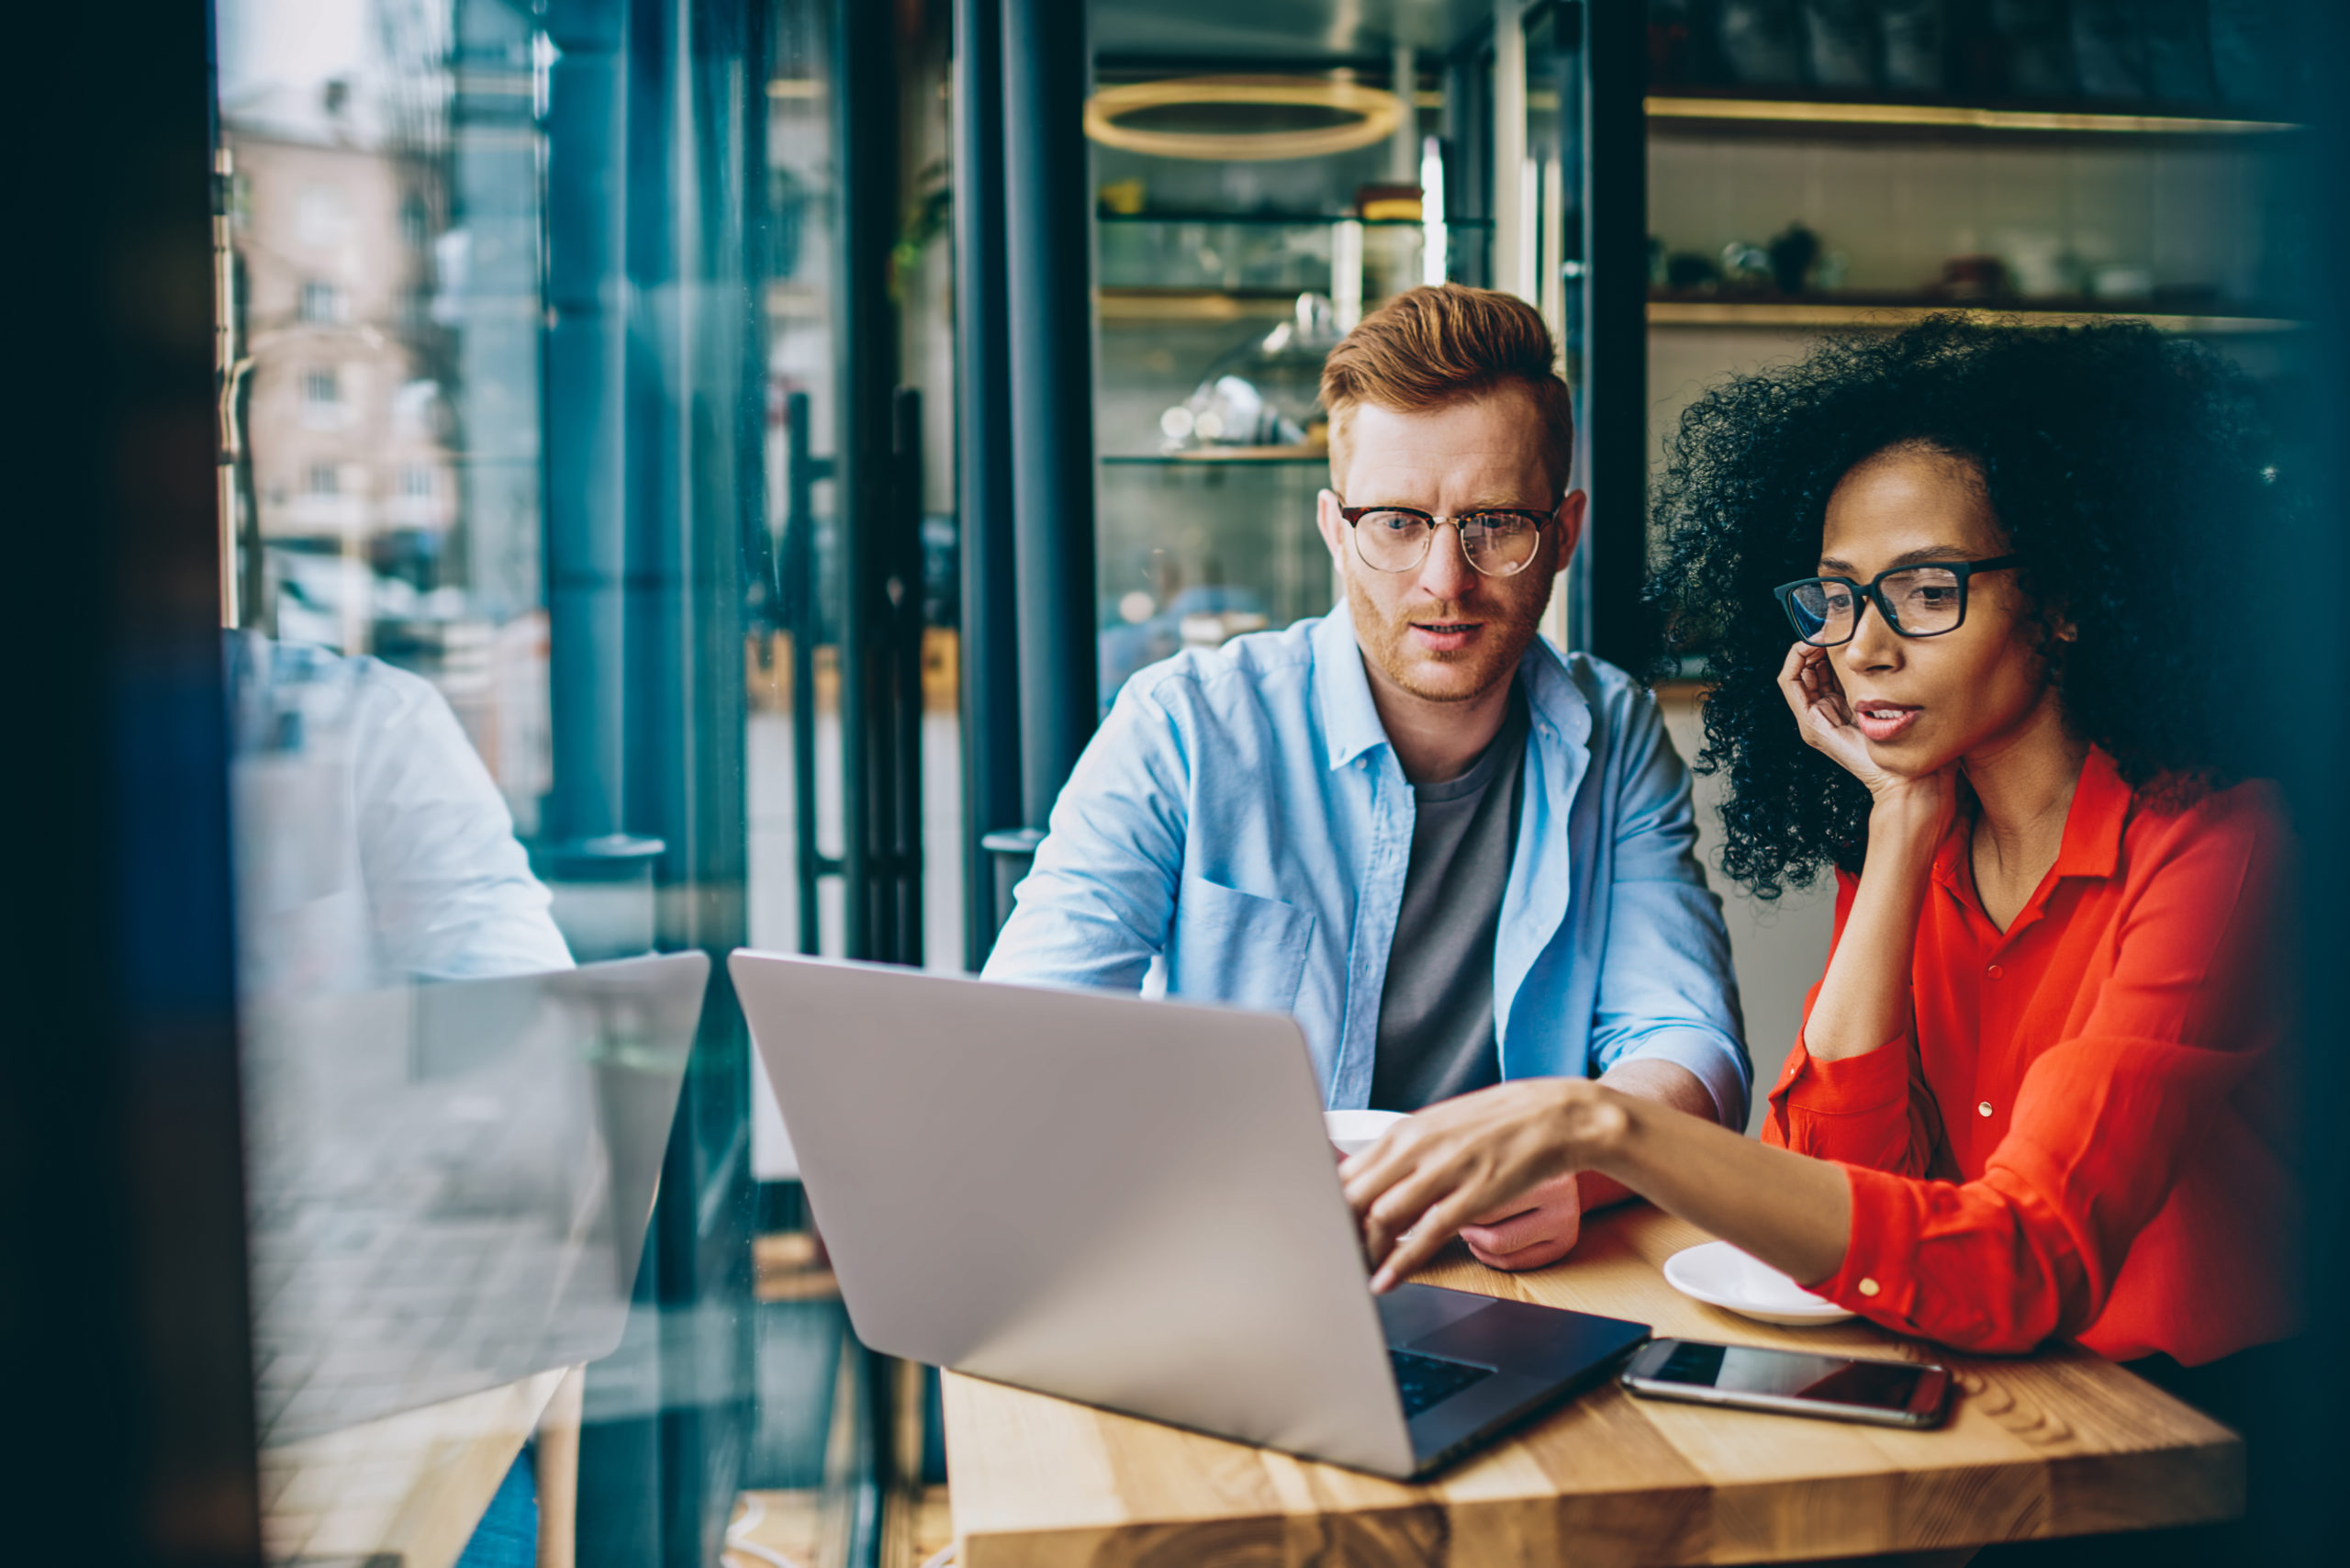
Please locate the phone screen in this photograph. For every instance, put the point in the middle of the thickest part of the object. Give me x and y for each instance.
(1742, 1369)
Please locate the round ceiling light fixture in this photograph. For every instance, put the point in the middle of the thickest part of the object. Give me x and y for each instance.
(1368, 115)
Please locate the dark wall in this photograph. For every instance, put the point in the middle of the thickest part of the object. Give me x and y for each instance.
(122, 1293)
(2302, 707)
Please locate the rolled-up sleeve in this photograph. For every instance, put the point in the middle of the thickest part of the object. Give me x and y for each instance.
(1097, 907)
(1873, 1110)
(1666, 987)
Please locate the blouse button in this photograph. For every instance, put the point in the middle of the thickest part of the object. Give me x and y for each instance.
(1994, 971)
(1984, 1109)
(1868, 1287)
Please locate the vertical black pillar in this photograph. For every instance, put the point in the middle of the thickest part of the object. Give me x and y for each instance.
(1467, 120)
(898, 801)
(122, 1276)
(1615, 316)
(1565, 67)
(802, 607)
(991, 659)
(1048, 214)
(865, 342)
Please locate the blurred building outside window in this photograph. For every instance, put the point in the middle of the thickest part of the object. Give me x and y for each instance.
(322, 303)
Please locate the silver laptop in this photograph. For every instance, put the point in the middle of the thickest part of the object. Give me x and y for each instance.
(1131, 1204)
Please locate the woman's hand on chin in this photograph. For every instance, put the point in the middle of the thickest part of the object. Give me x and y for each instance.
(1807, 680)
(1463, 1159)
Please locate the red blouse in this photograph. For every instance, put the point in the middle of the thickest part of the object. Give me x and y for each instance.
(2083, 1133)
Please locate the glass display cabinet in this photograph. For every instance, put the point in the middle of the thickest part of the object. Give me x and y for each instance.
(1253, 200)
(1814, 167)
(1686, 188)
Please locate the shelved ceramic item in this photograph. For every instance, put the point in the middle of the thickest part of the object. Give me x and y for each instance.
(2031, 43)
(2178, 51)
(2252, 51)
(1265, 393)
(1762, 41)
(2110, 48)
(1840, 43)
(1914, 39)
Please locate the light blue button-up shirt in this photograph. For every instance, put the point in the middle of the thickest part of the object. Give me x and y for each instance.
(1239, 828)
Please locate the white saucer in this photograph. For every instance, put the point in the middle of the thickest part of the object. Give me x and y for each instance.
(1720, 1275)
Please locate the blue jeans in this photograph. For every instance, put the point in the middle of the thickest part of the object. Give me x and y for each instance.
(507, 1535)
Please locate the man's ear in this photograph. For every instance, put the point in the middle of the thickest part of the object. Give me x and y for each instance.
(1333, 528)
(1569, 517)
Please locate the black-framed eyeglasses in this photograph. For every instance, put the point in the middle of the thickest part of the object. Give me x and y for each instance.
(1498, 540)
(1917, 601)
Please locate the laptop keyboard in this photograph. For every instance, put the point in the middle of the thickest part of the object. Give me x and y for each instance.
(1426, 1381)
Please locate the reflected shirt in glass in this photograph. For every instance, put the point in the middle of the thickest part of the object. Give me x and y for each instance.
(1239, 831)
(373, 847)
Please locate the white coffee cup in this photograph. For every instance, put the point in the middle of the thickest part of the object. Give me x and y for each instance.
(1354, 1131)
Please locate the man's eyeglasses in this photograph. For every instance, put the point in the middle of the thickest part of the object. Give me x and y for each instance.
(1916, 601)
(1498, 542)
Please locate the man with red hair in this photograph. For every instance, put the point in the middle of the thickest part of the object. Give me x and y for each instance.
(1454, 854)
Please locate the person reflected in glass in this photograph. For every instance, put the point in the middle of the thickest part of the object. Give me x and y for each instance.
(1456, 856)
(374, 848)
(2039, 1090)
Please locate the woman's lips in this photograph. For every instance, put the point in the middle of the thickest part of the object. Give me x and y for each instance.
(1884, 722)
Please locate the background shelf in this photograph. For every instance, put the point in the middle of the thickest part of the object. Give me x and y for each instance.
(1704, 114)
(1192, 304)
(1208, 456)
(1287, 219)
(1893, 312)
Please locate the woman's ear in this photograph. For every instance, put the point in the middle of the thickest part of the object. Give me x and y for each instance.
(2055, 624)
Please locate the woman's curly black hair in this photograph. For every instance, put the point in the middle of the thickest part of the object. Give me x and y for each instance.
(2127, 467)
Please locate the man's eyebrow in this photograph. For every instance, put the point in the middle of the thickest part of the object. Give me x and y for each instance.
(1936, 555)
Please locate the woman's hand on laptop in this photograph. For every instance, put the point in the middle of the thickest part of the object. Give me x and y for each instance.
(1460, 1161)
(1466, 1161)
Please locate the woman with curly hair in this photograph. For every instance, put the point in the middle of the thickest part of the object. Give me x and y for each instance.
(1967, 596)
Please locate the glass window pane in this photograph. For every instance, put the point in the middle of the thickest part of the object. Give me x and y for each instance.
(488, 324)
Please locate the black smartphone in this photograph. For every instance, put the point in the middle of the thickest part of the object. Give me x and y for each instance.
(1794, 1382)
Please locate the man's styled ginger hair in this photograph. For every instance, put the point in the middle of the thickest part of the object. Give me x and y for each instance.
(1445, 343)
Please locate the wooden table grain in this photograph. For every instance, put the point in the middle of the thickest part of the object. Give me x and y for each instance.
(2059, 1443)
(406, 1490)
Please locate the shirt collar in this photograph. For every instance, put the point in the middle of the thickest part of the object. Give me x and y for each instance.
(2093, 827)
(1350, 723)
(2093, 824)
(1555, 703)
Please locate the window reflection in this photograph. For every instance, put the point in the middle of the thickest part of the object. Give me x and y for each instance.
(373, 847)
(385, 223)
(449, 1183)
(486, 482)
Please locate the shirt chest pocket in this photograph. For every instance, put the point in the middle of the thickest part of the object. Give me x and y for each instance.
(1237, 947)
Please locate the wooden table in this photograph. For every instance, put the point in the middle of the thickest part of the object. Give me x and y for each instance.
(2061, 1443)
(407, 1491)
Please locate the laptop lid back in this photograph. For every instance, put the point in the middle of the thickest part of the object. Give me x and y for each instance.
(1127, 1203)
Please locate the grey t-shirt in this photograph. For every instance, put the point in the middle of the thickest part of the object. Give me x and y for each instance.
(1435, 1012)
